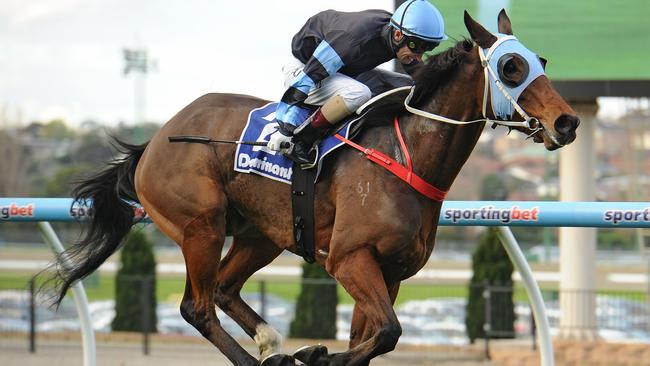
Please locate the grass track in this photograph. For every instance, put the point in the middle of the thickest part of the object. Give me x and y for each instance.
(171, 289)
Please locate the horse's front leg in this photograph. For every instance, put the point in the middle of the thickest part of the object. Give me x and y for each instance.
(360, 328)
(359, 273)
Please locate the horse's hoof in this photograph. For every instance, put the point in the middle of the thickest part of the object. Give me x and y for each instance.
(278, 359)
(310, 354)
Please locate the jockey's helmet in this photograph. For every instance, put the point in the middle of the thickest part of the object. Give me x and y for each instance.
(421, 23)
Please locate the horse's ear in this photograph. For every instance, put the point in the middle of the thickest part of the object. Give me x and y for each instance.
(503, 21)
(543, 61)
(480, 35)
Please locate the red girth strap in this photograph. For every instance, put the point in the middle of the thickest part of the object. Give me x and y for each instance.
(404, 173)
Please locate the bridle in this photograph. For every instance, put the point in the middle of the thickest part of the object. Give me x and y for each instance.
(406, 173)
(530, 123)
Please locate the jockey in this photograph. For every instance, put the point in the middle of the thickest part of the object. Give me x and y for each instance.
(336, 55)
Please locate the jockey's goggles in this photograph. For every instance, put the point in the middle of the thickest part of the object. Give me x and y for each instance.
(418, 45)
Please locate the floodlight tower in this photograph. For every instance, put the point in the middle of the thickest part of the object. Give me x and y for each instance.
(137, 63)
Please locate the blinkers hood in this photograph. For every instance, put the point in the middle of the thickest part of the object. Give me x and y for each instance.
(509, 49)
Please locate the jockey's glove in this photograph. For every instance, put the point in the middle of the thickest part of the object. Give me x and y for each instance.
(280, 141)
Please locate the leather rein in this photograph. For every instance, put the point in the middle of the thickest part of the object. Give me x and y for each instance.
(406, 173)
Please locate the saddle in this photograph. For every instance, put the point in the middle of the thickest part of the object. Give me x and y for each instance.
(271, 164)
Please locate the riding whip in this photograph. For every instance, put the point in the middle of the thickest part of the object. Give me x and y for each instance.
(207, 140)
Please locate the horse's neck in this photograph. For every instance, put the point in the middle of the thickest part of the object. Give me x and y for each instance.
(438, 149)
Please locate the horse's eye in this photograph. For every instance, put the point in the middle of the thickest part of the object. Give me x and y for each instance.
(509, 67)
(513, 69)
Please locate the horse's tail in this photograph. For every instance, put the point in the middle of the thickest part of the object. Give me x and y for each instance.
(110, 222)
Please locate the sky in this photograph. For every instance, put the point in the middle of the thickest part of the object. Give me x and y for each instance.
(63, 58)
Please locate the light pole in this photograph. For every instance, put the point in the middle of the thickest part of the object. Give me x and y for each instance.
(137, 62)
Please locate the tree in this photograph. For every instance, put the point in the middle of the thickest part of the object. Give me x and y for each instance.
(135, 285)
(493, 188)
(14, 180)
(60, 185)
(57, 129)
(316, 306)
(94, 150)
(491, 267)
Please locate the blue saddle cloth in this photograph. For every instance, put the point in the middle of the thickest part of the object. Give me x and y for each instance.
(271, 164)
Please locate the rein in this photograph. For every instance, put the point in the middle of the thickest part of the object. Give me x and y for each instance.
(530, 123)
(404, 173)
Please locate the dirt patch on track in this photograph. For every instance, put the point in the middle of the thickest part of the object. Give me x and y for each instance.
(574, 353)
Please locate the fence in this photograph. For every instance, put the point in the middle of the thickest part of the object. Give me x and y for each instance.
(430, 314)
(501, 214)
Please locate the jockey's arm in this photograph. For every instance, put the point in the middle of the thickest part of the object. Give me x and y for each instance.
(324, 62)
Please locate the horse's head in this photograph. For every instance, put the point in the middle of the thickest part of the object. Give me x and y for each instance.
(516, 72)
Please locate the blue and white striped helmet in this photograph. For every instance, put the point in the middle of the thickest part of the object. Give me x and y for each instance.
(419, 18)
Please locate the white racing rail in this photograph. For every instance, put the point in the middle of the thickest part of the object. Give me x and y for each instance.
(465, 213)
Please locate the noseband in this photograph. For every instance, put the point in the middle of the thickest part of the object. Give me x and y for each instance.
(491, 77)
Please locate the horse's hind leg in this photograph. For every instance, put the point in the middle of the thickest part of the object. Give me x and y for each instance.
(246, 256)
(202, 243)
(361, 276)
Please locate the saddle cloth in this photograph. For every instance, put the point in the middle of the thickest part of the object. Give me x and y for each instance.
(271, 164)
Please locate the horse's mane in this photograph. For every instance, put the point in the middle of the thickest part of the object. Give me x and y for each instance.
(437, 71)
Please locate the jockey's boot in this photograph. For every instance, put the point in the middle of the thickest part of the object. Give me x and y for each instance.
(315, 127)
(305, 135)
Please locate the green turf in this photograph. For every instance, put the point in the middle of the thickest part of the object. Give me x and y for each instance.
(290, 290)
(170, 288)
(582, 39)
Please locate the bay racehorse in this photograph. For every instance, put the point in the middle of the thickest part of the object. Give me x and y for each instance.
(372, 230)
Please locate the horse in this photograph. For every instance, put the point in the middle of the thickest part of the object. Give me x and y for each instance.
(369, 240)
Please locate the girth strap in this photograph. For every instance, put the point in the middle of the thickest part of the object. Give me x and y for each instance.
(302, 205)
(404, 173)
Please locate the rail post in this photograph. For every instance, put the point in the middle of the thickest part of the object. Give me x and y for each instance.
(146, 312)
(534, 294)
(487, 320)
(79, 295)
(32, 315)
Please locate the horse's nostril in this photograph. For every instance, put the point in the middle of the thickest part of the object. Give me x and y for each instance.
(566, 124)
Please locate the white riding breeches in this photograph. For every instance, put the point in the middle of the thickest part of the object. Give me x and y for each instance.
(353, 92)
